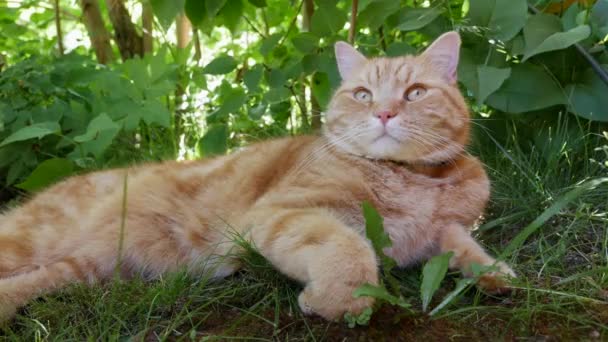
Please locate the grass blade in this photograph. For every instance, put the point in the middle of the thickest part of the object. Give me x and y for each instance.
(461, 285)
(550, 212)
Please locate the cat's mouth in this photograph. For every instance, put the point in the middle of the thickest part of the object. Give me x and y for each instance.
(386, 136)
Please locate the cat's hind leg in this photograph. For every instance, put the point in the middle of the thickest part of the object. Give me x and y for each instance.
(315, 248)
(18, 290)
(16, 251)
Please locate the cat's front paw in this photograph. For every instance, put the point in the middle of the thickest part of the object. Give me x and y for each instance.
(7, 310)
(497, 282)
(333, 302)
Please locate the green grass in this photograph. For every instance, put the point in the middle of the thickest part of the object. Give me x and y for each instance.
(562, 290)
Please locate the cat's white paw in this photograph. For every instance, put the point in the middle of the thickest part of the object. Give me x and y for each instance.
(7, 312)
(332, 302)
(497, 282)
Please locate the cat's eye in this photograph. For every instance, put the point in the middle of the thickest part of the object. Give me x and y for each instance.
(363, 95)
(415, 93)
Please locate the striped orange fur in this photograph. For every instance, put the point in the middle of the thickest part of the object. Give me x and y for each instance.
(395, 136)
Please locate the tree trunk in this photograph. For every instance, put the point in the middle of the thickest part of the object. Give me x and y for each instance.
(315, 113)
(147, 19)
(315, 109)
(309, 9)
(130, 43)
(98, 34)
(58, 27)
(183, 29)
(352, 30)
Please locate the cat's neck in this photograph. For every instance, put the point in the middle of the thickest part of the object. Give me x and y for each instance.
(431, 169)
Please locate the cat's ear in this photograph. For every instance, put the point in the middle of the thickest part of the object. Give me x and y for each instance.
(444, 53)
(349, 59)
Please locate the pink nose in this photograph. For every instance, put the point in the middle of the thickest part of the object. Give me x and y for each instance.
(385, 115)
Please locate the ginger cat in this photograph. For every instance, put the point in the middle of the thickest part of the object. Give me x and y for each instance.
(395, 136)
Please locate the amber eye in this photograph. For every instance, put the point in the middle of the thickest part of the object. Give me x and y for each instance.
(363, 95)
(414, 93)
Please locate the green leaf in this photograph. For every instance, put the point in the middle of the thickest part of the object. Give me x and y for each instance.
(432, 274)
(38, 130)
(167, 10)
(196, 11)
(504, 19)
(310, 63)
(305, 42)
(327, 20)
(214, 6)
(232, 13)
(568, 19)
(380, 293)
(232, 102)
(529, 88)
(587, 97)
(416, 18)
(361, 319)
(276, 78)
(374, 229)
(269, 43)
(253, 77)
(553, 210)
(489, 80)
(467, 70)
(220, 65)
(258, 3)
(599, 19)
(376, 13)
(542, 33)
(321, 88)
(257, 111)
(400, 49)
(46, 173)
(15, 171)
(153, 111)
(99, 135)
(277, 95)
(215, 141)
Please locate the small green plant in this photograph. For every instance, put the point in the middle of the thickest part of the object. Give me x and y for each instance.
(374, 230)
(433, 273)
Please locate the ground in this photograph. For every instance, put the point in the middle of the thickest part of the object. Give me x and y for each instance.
(561, 292)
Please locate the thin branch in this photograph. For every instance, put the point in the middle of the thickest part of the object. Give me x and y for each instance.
(255, 29)
(300, 102)
(198, 53)
(292, 23)
(382, 38)
(265, 19)
(58, 27)
(352, 30)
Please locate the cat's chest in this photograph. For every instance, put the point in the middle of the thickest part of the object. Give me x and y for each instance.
(408, 205)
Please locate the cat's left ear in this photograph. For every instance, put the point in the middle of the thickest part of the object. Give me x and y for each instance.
(444, 53)
(349, 59)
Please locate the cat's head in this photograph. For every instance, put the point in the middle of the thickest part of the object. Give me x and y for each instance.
(406, 108)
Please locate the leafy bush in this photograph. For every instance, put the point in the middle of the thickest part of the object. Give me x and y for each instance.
(62, 115)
